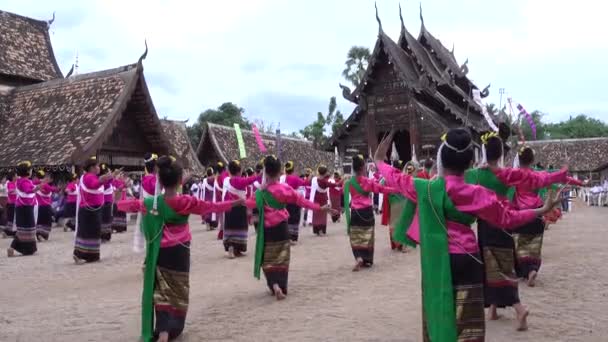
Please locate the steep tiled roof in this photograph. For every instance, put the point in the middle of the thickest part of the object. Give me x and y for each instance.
(219, 142)
(25, 49)
(590, 154)
(176, 134)
(63, 121)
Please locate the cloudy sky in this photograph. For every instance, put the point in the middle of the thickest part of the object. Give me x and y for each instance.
(282, 60)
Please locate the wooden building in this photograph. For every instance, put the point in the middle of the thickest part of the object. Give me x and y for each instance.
(218, 143)
(57, 122)
(414, 85)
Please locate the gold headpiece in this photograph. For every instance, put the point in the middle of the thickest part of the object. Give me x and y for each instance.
(444, 136)
(486, 137)
(25, 163)
(289, 166)
(220, 164)
(238, 163)
(40, 173)
(153, 156)
(172, 159)
(93, 158)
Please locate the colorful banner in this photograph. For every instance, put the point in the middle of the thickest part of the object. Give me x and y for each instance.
(258, 139)
(240, 142)
(484, 110)
(278, 132)
(524, 112)
(522, 138)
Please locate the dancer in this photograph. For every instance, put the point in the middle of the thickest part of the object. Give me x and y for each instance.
(452, 272)
(10, 229)
(3, 202)
(235, 220)
(208, 195)
(318, 194)
(529, 237)
(272, 253)
(108, 204)
(71, 196)
(166, 289)
(335, 196)
(119, 218)
(306, 190)
(44, 222)
(360, 220)
(89, 215)
(259, 170)
(24, 240)
(221, 174)
(393, 210)
(295, 212)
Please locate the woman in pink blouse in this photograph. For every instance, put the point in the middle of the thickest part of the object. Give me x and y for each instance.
(44, 222)
(295, 212)
(235, 220)
(10, 229)
(119, 218)
(360, 220)
(272, 253)
(24, 241)
(69, 212)
(452, 272)
(319, 193)
(108, 201)
(88, 217)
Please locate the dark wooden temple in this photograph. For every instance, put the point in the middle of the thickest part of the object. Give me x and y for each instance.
(414, 85)
(57, 122)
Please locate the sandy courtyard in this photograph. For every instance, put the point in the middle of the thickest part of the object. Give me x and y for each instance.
(48, 298)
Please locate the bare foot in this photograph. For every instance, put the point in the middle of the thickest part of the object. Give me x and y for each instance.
(10, 252)
(163, 337)
(492, 314)
(278, 292)
(522, 320)
(78, 261)
(65, 229)
(532, 278)
(4, 236)
(39, 238)
(359, 265)
(230, 252)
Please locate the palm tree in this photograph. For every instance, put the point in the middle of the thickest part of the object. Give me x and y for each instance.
(356, 63)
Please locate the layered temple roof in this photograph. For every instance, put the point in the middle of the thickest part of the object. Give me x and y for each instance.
(440, 88)
(581, 155)
(218, 143)
(26, 52)
(64, 121)
(176, 133)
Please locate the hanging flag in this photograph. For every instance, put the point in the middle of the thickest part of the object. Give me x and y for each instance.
(258, 139)
(414, 158)
(484, 110)
(394, 153)
(524, 112)
(240, 142)
(278, 132)
(522, 138)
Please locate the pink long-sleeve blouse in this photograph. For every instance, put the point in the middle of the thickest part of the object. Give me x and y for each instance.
(12, 194)
(296, 182)
(24, 188)
(240, 184)
(71, 192)
(94, 197)
(148, 183)
(471, 199)
(369, 185)
(173, 233)
(44, 194)
(286, 195)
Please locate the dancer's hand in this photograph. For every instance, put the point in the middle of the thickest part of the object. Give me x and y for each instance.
(239, 202)
(325, 208)
(384, 146)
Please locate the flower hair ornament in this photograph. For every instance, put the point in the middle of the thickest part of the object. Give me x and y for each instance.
(25, 163)
(444, 144)
(153, 156)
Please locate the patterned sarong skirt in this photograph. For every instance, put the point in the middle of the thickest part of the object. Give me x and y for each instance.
(172, 289)
(467, 281)
(44, 221)
(528, 246)
(10, 229)
(88, 234)
(24, 240)
(235, 229)
(362, 224)
(276, 256)
(106, 222)
(293, 222)
(119, 220)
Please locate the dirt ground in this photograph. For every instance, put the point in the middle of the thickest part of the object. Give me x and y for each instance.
(47, 298)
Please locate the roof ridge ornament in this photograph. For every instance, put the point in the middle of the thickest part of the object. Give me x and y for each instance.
(50, 22)
(452, 51)
(464, 68)
(421, 17)
(347, 93)
(486, 91)
(70, 72)
(144, 55)
(401, 16)
(378, 17)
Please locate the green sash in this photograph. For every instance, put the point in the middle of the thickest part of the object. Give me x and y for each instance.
(405, 220)
(152, 228)
(355, 184)
(438, 297)
(487, 179)
(262, 197)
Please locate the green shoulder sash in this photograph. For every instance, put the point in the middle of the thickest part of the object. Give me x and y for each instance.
(262, 197)
(355, 184)
(487, 179)
(405, 220)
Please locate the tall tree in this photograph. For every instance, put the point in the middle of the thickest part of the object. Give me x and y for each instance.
(226, 115)
(580, 126)
(316, 131)
(357, 60)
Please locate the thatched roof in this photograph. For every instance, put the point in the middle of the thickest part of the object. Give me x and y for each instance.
(176, 134)
(218, 143)
(581, 155)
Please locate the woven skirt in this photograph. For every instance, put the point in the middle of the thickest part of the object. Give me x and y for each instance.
(528, 246)
(119, 220)
(362, 222)
(236, 229)
(276, 256)
(88, 234)
(10, 228)
(106, 222)
(44, 222)
(172, 289)
(467, 282)
(293, 223)
(24, 240)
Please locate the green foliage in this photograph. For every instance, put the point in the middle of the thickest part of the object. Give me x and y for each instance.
(357, 60)
(226, 115)
(315, 131)
(580, 126)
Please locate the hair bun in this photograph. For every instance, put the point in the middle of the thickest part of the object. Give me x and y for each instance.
(164, 162)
